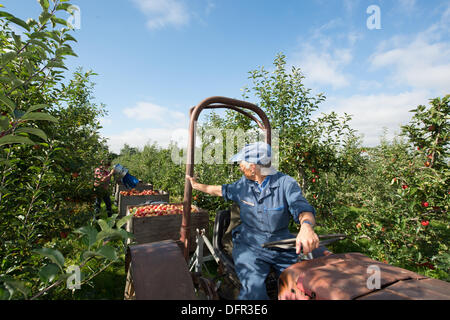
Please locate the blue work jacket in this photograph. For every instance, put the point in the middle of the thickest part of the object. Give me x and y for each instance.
(266, 210)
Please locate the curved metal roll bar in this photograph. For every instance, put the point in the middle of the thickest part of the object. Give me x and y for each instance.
(212, 103)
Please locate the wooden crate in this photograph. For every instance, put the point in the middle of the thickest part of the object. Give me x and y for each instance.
(121, 187)
(125, 201)
(158, 228)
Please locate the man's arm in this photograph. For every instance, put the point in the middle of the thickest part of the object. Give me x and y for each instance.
(212, 190)
(104, 178)
(307, 216)
(307, 239)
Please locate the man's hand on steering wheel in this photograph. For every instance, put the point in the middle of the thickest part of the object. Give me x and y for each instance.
(307, 239)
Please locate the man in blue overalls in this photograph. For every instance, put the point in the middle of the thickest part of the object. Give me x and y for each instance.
(267, 199)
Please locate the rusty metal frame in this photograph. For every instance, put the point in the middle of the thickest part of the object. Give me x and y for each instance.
(212, 103)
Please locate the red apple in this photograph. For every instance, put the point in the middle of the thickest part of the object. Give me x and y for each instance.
(425, 223)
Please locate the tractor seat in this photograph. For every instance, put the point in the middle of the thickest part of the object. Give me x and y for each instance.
(225, 222)
(223, 248)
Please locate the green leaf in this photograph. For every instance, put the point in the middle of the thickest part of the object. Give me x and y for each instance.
(44, 4)
(90, 232)
(13, 285)
(125, 234)
(88, 254)
(63, 6)
(56, 64)
(123, 221)
(64, 51)
(39, 116)
(18, 114)
(36, 107)
(6, 101)
(109, 234)
(55, 35)
(108, 252)
(49, 272)
(8, 56)
(41, 44)
(10, 139)
(4, 123)
(68, 37)
(38, 34)
(43, 18)
(4, 294)
(56, 20)
(54, 255)
(17, 40)
(103, 225)
(37, 132)
(15, 20)
(112, 220)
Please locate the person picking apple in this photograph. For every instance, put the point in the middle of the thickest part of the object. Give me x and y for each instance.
(102, 178)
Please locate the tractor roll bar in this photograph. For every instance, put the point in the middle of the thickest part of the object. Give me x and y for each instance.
(212, 103)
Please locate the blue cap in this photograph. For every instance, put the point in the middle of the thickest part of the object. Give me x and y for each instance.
(257, 153)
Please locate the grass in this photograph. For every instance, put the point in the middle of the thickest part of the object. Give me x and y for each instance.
(108, 285)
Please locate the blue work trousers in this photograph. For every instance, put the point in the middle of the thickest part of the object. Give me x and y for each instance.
(252, 265)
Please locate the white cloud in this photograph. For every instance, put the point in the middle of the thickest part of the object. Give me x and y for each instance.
(156, 115)
(372, 113)
(419, 64)
(421, 61)
(210, 5)
(163, 13)
(407, 5)
(325, 53)
(105, 121)
(353, 37)
(351, 5)
(324, 67)
(140, 137)
(162, 125)
(365, 85)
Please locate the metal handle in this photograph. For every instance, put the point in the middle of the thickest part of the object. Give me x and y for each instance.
(212, 103)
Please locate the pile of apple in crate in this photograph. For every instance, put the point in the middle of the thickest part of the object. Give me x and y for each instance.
(134, 192)
(160, 210)
(162, 221)
(140, 196)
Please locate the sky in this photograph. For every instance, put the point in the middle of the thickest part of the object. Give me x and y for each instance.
(155, 59)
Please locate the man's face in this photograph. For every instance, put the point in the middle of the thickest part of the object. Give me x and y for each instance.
(248, 173)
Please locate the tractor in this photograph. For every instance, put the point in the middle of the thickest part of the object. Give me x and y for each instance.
(168, 270)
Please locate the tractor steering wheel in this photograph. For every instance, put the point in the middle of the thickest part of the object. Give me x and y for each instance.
(289, 244)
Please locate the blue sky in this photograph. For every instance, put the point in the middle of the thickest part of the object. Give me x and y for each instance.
(158, 58)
